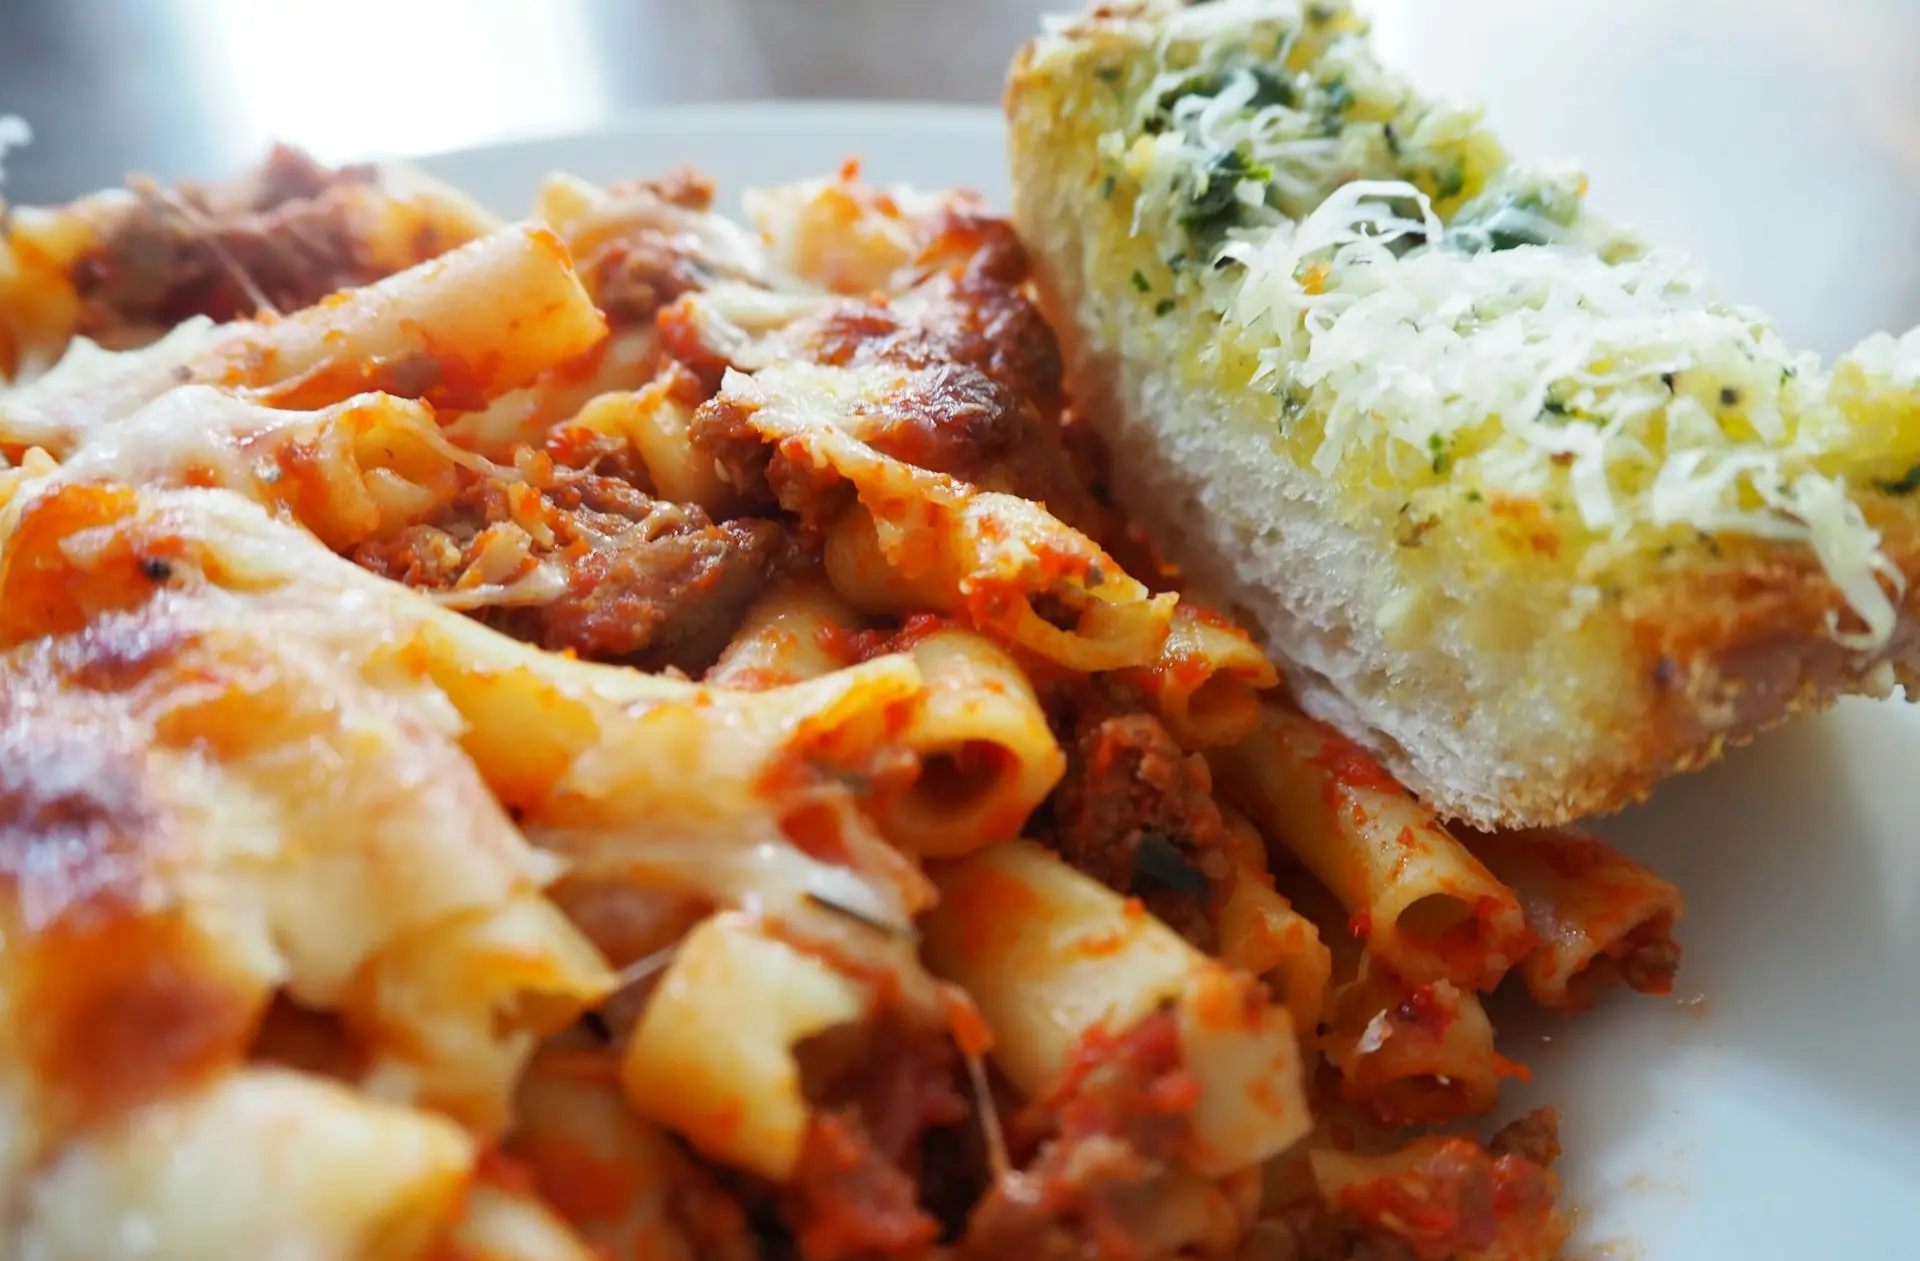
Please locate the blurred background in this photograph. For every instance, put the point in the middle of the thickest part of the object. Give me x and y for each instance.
(1779, 138)
(179, 87)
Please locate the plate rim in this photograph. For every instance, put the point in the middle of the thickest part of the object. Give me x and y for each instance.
(784, 115)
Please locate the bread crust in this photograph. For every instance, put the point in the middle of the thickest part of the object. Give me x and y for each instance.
(1541, 703)
(1693, 661)
(1731, 651)
(1716, 657)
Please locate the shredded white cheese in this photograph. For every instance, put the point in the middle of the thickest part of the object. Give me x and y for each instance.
(1513, 344)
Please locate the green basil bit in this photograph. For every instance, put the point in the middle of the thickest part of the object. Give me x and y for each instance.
(1213, 206)
(1905, 484)
(1337, 100)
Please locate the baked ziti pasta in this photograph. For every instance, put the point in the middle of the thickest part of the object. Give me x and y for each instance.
(625, 736)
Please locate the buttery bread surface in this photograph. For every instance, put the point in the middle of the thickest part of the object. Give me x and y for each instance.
(1514, 499)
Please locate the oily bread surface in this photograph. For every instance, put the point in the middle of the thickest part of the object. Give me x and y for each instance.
(1487, 699)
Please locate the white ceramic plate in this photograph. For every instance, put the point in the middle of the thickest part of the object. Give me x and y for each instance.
(1771, 1109)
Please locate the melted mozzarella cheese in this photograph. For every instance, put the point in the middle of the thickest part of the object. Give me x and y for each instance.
(90, 387)
(634, 763)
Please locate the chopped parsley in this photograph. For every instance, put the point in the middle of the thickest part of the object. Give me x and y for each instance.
(1108, 75)
(1508, 217)
(1141, 283)
(1437, 449)
(1338, 99)
(1513, 236)
(1449, 182)
(1164, 306)
(1293, 404)
(1270, 88)
(1106, 186)
(1213, 206)
(1203, 83)
(1905, 484)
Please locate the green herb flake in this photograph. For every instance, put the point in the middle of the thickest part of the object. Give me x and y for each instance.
(1106, 186)
(1271, 88)
(1141, 283)
(1201, 83)
(1450, 182)
(1164, 306)
(1507, 218)
(1293, 404)
(1339, 99)
(1905, 484)
(1437, 448)
(1321, 14)
(1108, 75)
(1213, 205)
(1512, 238)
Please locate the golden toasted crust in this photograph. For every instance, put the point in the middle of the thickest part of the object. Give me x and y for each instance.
(1720, 656)
(1729, 651)
(1717, 655)
(1527, 720)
